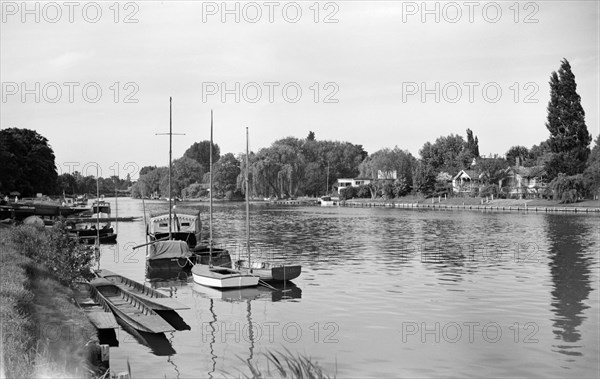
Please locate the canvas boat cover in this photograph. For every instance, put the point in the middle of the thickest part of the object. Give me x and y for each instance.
(168, 250)
(180, 223)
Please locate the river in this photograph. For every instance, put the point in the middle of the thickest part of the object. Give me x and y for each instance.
(384, 292)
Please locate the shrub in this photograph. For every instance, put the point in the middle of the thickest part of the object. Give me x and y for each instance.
(363, 191)
(489, 190)
(348, 193)
(65, 258)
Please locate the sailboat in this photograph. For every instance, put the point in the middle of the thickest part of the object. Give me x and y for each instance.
(266, 270)
(175, 248)
(219, 277)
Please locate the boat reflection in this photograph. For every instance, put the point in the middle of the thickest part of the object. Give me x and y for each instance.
(279, 292)
(157, 342)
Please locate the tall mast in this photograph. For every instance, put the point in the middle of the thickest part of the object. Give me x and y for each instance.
(210, 235)
(247, 203)
(97, 213)
(170, 156)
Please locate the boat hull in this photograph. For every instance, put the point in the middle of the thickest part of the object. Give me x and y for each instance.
(272, 273)
(152, 298)
(129, 310)
(222, 277)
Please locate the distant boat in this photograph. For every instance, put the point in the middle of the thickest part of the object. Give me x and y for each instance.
(266, 270)
(328, 201)
(219, 277)
(129, 309)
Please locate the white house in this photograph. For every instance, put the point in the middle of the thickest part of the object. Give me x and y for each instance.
(349, 182)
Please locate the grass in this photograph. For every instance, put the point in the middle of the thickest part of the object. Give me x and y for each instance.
(44, 334)
(287, 365)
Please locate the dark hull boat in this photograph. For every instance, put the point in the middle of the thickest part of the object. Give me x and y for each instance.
(152, 298)
(104, 239)
(99, 315)
(129, 310)
(171, 257)
(270, 271)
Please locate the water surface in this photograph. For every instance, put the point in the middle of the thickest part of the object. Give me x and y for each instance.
(385, 293)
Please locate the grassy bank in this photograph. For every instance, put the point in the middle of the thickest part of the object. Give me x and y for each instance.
(44, 334)
(542, 203)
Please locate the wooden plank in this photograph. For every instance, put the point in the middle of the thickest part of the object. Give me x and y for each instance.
(102, 320)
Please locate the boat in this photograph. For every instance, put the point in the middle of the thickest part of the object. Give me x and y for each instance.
(152, 298)
(266, 270)
(127, 308)
(165, 253)
(328, 201)
(187, 228)
(270, 270)
(100, 316)
(219, 277)
(109, 238)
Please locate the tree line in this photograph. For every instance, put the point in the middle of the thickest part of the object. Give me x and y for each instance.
(293, 166)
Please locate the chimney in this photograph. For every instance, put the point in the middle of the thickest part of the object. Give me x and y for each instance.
(518, 161)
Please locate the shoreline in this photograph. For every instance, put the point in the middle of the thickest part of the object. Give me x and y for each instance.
(467, 207)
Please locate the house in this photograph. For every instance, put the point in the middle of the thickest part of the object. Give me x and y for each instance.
(524, 181)
(356, 182)
(467, 181)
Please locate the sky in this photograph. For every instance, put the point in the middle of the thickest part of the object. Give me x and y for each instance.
(95, 78)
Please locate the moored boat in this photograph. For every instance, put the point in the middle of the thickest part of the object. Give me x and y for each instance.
(152, 298)
(129, 309)
(269, 270)
(219, 277)
(266, 270)
(98, 313)
(222, 277)
(184, 227)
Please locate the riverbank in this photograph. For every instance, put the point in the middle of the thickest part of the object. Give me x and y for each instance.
(469, 203)
(44, 334)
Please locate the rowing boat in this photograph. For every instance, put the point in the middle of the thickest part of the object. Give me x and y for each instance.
(152, 298)
(129, 309)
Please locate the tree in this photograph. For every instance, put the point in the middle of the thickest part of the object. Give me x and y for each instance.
(448, 154)
(493, 169)
(515, 152)
(538, 155)
(311, 136)
(146, 169)
(472, 145)
(26, 163)
(226, 173)
(386, 166)
(569, 138)
(200, 152)
(185, 172)
(591, 175)
(424, 179)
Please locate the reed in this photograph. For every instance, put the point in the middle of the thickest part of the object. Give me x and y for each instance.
(285, 364)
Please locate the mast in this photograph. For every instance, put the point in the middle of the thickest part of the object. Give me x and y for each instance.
(97, 213)
(210, 235)
(247, 203)
(170, 156)
(327, 188)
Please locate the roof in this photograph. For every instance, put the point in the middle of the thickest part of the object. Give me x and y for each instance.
(471, 174)
(528, 172)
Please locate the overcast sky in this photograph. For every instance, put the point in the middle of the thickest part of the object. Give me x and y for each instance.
(379, 73)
